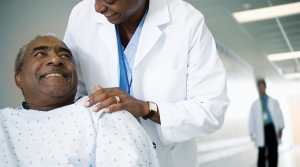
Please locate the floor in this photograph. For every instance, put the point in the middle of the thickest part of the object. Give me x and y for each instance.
(245, 159)
(288, 158)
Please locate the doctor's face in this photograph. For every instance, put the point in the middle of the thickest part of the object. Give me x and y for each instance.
(262, 89)
(117, 11)
(48, 70)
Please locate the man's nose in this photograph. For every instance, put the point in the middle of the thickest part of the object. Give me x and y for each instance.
(54, 60)
(100, 6)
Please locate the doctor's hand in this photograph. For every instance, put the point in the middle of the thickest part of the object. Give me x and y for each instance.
(279, 133)
(107, 96)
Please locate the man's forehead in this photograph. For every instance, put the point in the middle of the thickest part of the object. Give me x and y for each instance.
(50, 42)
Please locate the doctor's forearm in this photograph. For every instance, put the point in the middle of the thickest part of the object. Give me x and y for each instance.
(156, 117)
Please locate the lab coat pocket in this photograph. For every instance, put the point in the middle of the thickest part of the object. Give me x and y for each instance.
(167, 86)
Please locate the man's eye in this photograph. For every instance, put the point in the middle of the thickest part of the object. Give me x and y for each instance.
(40, 54)
(65, 56)
(110, 2)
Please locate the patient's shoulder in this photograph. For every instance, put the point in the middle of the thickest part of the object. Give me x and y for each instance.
(9, 110)
(81, 100)
(122, 118)
(79, 104)
(126, 120)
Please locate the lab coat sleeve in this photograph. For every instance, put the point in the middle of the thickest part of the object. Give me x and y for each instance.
(203, 111)
(69, 40)
(252, 123)
(279, 116)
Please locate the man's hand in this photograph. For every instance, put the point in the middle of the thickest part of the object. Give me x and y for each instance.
(136, 107)
(279, 133)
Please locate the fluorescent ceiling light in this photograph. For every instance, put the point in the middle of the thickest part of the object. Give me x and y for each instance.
(284, 56)
(267, 13)
(292, 75)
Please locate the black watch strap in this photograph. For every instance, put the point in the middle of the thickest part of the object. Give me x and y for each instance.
(150, 114)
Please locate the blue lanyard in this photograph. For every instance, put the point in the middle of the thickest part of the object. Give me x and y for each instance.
(123, 59)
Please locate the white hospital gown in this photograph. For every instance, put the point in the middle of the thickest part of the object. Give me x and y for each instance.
(73, 136)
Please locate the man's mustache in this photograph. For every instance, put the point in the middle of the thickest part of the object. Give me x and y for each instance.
(54, 69)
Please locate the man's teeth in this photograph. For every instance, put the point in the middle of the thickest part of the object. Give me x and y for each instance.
(110, 14)
(54, 74)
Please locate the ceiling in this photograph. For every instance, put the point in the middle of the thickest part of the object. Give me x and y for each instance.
(255, 40)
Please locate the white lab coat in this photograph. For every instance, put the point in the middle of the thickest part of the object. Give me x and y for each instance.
(176, 66)
(256, 125)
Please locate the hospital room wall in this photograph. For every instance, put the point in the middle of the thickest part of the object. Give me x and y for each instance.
(20, 21)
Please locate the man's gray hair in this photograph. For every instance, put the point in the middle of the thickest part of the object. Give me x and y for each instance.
(22, 51)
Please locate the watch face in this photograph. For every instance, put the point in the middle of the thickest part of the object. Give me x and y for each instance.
(153, 107)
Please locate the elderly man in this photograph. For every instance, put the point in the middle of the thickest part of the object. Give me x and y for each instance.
(50, 129)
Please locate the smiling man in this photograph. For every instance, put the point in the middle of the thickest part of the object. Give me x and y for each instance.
(46, 74)
(50, 129)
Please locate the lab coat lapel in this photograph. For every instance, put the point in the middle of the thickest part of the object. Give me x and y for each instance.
(149, 36)
(259, 111)
(271, 106)
(107, 34)
(158, 14)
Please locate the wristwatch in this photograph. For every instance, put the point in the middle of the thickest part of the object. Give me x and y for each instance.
(153, 110)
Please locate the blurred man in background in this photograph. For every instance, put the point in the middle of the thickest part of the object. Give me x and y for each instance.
(266, 125)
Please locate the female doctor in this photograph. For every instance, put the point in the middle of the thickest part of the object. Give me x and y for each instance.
(156, 59)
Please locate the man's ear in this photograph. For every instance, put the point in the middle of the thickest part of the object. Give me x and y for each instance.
(18, 80)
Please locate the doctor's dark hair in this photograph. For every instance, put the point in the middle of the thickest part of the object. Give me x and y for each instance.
(22, 51)
(261, 81)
